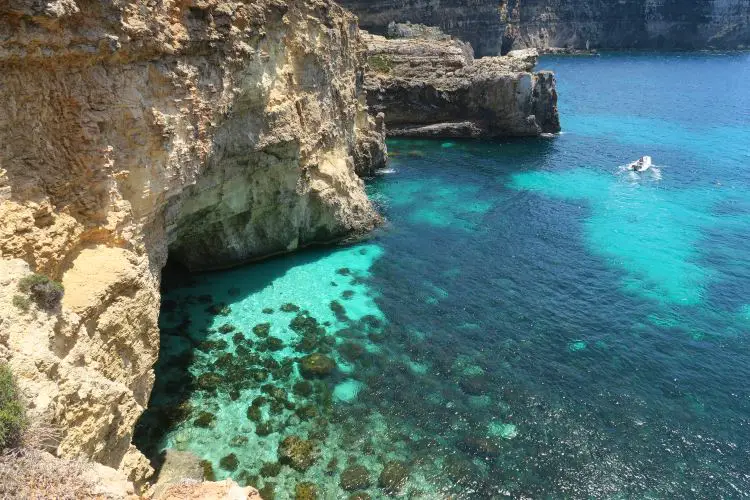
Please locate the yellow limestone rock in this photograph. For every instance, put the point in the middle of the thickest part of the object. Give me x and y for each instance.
(219, 131)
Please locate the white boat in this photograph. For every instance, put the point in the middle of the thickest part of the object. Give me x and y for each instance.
(641, 164)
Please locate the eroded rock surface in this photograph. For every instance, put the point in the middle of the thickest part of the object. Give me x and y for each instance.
(218, 490)
(221, 131)
(433, 87)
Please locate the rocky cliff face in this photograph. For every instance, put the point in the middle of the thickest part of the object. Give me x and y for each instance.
(497, 26)
(219, 131)
(431, 86)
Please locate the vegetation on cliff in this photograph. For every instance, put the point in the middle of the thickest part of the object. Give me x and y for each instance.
(12, 415)
(39, 288)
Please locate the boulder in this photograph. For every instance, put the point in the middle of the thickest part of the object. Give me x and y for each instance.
(316, 365)
(297, 453)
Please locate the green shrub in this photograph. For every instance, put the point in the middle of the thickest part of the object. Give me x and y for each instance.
(46, 293)
(21, 302)
(12, 418)
(379, 63)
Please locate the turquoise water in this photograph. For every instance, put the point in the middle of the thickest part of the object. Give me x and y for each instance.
(531, 322)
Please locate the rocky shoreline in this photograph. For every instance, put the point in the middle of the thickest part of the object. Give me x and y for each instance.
(213, 132)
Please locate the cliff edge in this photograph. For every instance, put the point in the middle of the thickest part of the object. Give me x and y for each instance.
(429, 85)
(215, 131)
(497, 26)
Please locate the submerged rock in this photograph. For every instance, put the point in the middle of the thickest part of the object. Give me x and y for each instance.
(350, 350)
(347, 294)
(229, 462)
(393, 477)
(308, 344)
(267, 310)
(244, 478)
(259, 375)
(361, 495)
(208, 470)
(263, 429)
(227, 328)
(297, 453)
(224, 361)
(262, 329)
(339, 311)
(247, 356)
(316, 365)
(270, 469)
(270, 363)
(371, 321)
(307, 412)
(268, 491)
(278, 393)
(306, 325)
(274, 344)
(356, 477)
(344, 271)
(213, 345)
(332, 466)
(289, 307)
(306, 491)
(254, 413)
(303, 388)
(208, 381)
(284, 369)
(205, 420)
(276, 407)
(220, 309)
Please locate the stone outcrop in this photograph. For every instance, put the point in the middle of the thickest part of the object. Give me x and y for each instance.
(219, 131)
(498, 26)
(181, 477)
(431, 86)
(218, 490)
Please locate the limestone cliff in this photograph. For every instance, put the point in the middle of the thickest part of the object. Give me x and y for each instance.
(219, 131)
(497, 26)
(431, 86)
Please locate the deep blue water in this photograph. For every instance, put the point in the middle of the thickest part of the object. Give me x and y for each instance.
(531, 322)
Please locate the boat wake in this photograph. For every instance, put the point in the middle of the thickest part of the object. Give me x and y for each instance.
(641, 169)
(653, 174)
(382, 171)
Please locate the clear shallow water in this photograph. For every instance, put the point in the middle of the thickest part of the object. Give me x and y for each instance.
(531, 322)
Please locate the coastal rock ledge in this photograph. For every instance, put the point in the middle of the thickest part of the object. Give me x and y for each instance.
(214, 131)
(430, 85)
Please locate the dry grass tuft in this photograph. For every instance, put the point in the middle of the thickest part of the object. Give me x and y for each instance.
(33, 474)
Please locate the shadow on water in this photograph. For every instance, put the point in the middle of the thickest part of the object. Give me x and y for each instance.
(184, 337)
